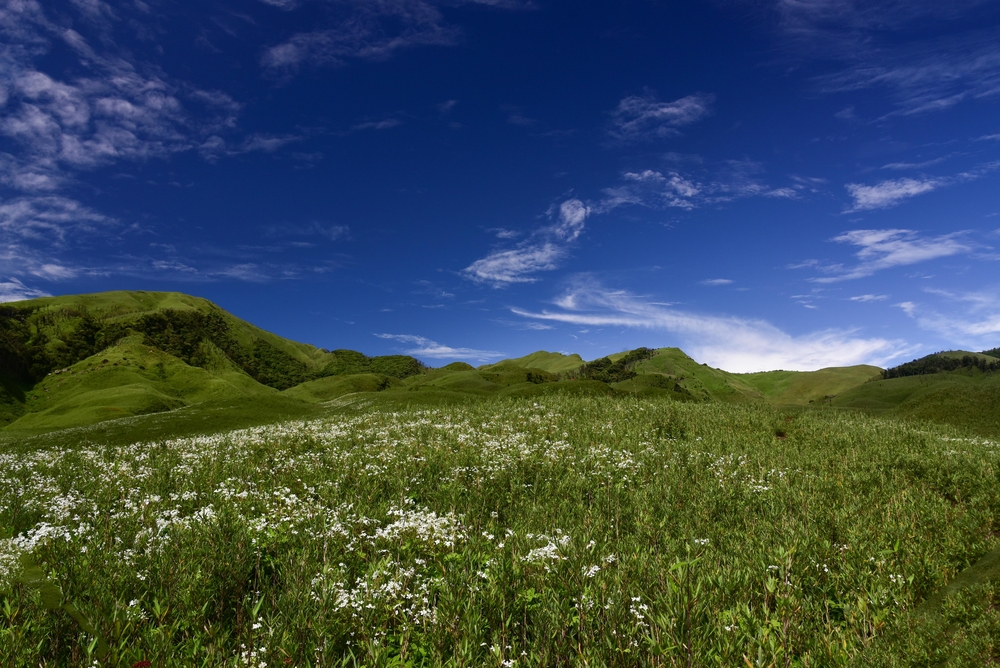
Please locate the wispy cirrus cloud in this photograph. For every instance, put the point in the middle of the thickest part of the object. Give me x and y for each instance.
(927, 56)
(644, 117)
(367, 30)
(902, 166)
(115, 109)
(690, 188)
(717, 281)
(424, 347)
(383, 124)
(46, 217)
(966, 319)
(869, 298)
(543, 251)
(884, 249)
(735, 344)
(888, 193)
(13, 290)
(891, 192)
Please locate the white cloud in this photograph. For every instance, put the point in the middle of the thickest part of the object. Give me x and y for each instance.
(431, 349)
(725, 182)
(541, 252)
(367, 30)
(644, 117)
(869, 298)
(883, 249)
(783, 193)
(886, 45)
(47, 217)
(116, 107)
(515, 116)
(969, 320)
(888, 193)
(516, 265)
(572, 215)
(266, 142)
(383, 124)
(13, 290)
(735, 344)
(915, 165)
(717, 281)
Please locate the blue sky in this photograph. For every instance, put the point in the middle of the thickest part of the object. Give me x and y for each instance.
(764, 183)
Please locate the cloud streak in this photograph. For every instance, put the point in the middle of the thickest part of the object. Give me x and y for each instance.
(736, 344)
(48, 217)
(13, 290)
(424, 347)
(367, 30)
(970, 319)
(888, 193)
(884, 249)
(885, 45)
(728, 181)
(644, 117)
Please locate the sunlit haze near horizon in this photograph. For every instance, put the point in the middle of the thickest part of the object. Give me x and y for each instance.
(767, 184)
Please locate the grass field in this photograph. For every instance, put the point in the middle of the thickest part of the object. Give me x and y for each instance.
(555, 530)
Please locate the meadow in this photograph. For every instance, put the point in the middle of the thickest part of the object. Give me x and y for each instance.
(556, 531)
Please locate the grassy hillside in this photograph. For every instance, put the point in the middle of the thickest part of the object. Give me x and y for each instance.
(546, 361)
(127, 379)
(967, 398)
(700, 382)
(183, 349)
(951, 360)
(801, 388)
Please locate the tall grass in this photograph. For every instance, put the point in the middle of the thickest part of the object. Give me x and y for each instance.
(571, 531)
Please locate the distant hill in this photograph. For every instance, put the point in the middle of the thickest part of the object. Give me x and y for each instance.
(546, 361)
(82, 358)
(951, 360)
(801, 388)
(672, 373)
(966, 398)
(78, 360)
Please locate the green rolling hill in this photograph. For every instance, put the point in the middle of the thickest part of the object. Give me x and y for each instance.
(954, 387)
(73, 360)
(546, 361)
(83, 359)
(801, 388)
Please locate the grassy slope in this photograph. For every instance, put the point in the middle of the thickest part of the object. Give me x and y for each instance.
(969, 399)
(798, 388)
(959, 354)
(86, 391)
(546, 361)
(699, 381)
(333, 387)
(124, 380)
